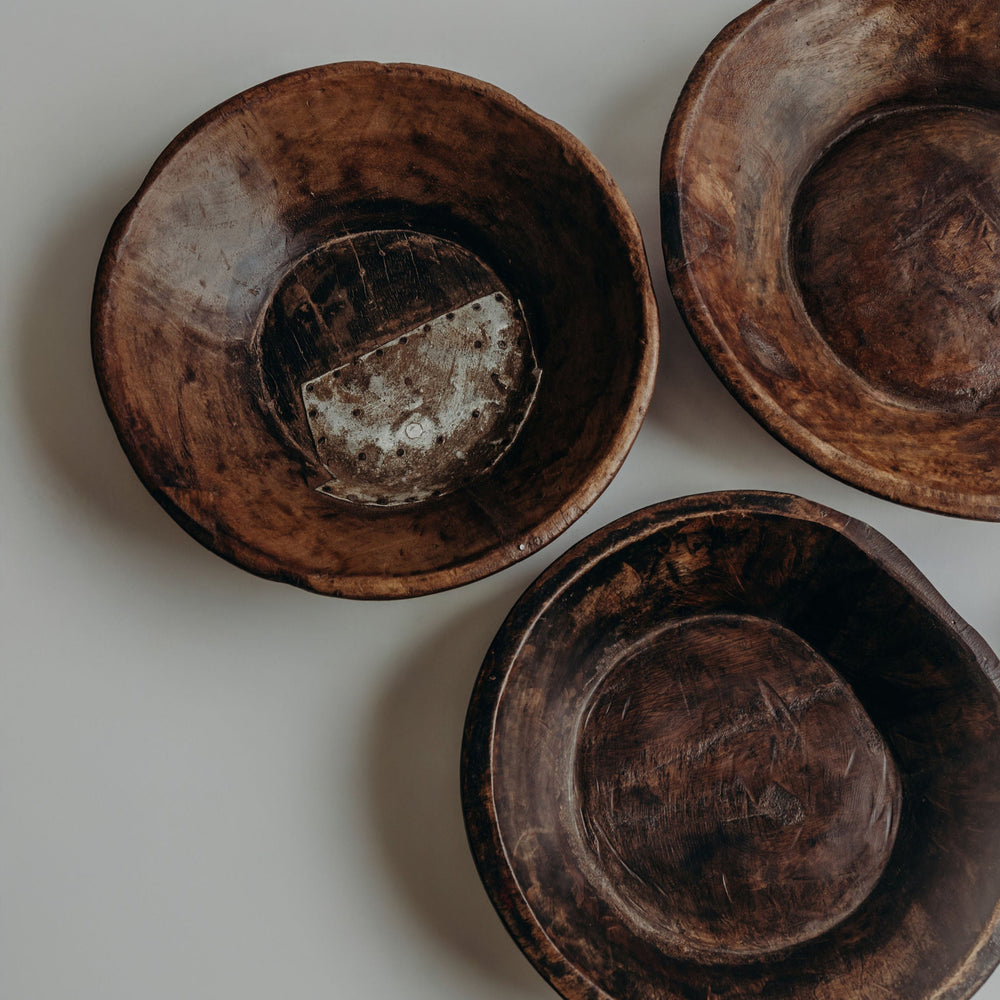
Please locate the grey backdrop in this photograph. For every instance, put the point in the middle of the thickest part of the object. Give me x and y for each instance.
(218, 787)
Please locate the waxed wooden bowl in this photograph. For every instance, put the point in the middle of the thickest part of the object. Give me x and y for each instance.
(735, 745)
(831, 224)
(375, 330)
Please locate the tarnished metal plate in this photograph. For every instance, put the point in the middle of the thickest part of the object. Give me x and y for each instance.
(426, 413)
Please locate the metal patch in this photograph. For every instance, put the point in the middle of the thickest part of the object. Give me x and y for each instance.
(428, 412)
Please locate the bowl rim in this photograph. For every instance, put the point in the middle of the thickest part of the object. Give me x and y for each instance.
(482, 829)
(760, 404)
(500, 556)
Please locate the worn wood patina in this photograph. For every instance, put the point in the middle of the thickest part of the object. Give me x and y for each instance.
(735, 745)
(375, 330)
(831, 225)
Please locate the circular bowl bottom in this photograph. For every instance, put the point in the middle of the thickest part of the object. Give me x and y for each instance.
(896, 247)
(731, 794)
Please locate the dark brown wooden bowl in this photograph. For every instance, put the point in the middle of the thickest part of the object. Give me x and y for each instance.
(375, 330)
(831, 224)
(736, 746)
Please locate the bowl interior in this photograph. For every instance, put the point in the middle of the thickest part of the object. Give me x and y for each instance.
(375, 329)
(739, 747)
(831, 221)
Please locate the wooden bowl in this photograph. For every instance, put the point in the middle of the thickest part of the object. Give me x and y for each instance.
(375, 330)
(736, 746)
(831, 224)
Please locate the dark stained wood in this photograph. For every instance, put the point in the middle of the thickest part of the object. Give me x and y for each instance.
(375, 330)
(831, 225)
(735, 745)
(732, 793)
(897, 251)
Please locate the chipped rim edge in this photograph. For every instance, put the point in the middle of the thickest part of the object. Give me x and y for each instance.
(501, 555)
(783, 427)
(482, 830)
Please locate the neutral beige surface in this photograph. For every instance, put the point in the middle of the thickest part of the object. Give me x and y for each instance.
(219, 787)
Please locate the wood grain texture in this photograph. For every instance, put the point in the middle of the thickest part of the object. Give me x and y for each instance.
(900, 267)
(320, 218)
(831, 217)
(733, 796)
(736, 746)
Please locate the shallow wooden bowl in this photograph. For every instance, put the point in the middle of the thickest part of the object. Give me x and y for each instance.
(375, 330)
(831, 223)
(736, 746)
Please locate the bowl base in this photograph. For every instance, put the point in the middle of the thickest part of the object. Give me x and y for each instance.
(896, 247)
(400, 365)
(731, 792)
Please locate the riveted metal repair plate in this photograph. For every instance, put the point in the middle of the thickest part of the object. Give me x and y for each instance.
(426, 413)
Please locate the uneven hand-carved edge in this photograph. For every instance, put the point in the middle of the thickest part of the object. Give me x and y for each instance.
(737, 379)
(487, 847)
(381, 587)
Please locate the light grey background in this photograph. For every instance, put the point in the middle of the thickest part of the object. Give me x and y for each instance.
(214, 786)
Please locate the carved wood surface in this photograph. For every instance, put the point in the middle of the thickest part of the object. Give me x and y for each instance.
(736, 746)
(831, 204)
(320, 220)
